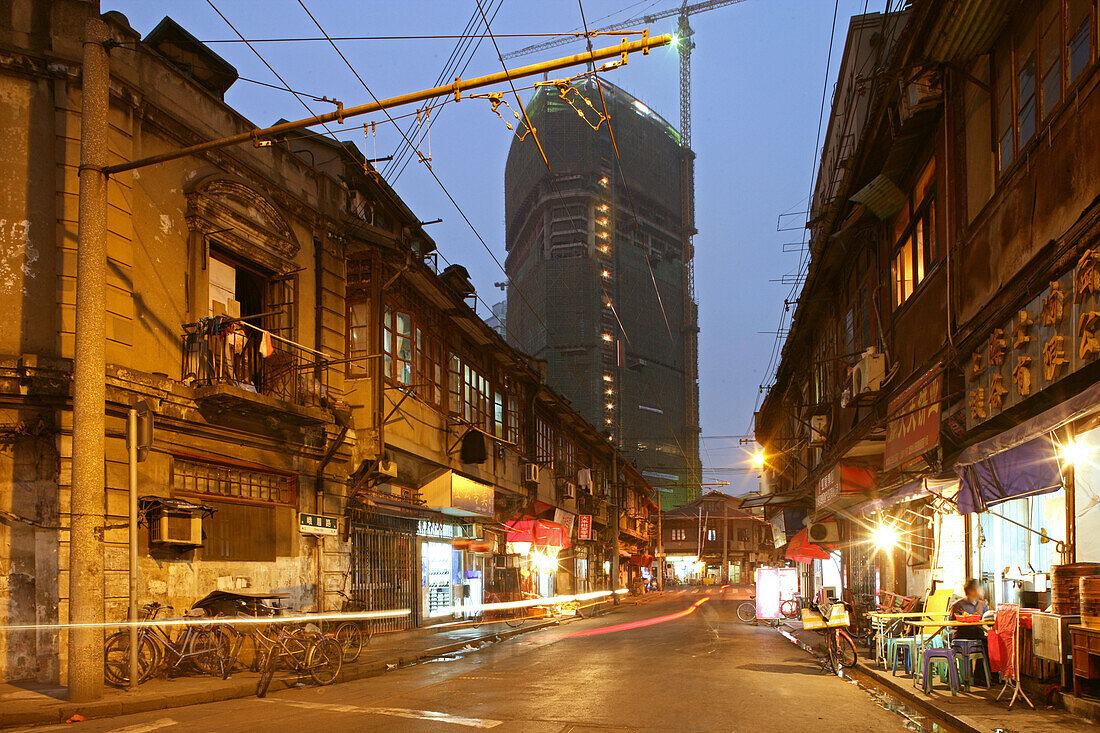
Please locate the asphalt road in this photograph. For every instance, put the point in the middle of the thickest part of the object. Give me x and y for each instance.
(698, 671)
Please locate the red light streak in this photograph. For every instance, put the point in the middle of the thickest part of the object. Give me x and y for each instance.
(642, 623)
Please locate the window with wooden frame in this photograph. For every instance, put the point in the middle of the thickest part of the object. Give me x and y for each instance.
(1033, 68)
(915, 253)
(565, 457)
(454, 384)
(475, 397)
(498, 414)
(678, 535)
(513, 416)
(544, 442)
(244, 527)
(429, 354)
(397, 344)
(359, 346)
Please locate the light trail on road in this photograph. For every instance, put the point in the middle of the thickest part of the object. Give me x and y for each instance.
(642, 623)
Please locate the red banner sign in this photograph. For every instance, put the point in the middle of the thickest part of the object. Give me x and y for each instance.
(584, 526)
(913, 427)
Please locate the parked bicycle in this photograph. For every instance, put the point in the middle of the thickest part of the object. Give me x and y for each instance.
(206, 648)
(831, 619)
(352, 635)
(304, 650)
(514, 617)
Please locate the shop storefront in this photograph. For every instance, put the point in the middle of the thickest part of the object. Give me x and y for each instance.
(538, 543)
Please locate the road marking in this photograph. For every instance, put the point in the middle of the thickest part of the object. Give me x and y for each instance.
(144, 727)
(394, 712)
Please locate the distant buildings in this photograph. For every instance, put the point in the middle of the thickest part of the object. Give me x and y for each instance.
(600, 271)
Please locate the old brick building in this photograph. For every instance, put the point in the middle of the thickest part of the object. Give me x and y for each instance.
(314, 380)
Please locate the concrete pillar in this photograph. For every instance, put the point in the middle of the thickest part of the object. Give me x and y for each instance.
(89, 391)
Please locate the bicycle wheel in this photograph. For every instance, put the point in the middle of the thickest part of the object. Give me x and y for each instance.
(204, 651)
(746, 612)
(845, 650)
(116, 659)
(350, 638)
(516, 619)
(788, 608)
(323, 660)
(265, 661)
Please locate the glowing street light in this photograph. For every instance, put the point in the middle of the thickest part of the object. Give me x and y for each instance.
(759, 459)
(1075, 452)
(885, 536)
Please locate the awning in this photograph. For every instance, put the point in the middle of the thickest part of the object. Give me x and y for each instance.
(642, 561)
(540, 533)
(751, 502)
(800, 549)
(1025, 470)
(913, 490)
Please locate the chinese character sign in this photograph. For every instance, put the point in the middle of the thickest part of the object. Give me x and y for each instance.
(913, 428)
(584, 527)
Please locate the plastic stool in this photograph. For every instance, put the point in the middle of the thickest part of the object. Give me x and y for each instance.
(908, 644)
(969, 652)
(946, 656)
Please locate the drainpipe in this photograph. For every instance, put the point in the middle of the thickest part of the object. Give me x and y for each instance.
(85, 648)
(319, 485)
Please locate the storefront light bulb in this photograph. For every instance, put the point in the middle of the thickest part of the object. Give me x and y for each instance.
(1075, 452)
(607, 337)
(607, 377)
(885, 536)
(611, 405)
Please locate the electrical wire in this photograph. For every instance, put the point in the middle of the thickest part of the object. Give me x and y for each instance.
(560, 196)
(638, 227)
(463, 49)
(458, 208)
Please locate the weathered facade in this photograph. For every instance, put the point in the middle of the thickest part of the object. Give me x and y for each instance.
(713, 537)
(277, 307)
(946, 320)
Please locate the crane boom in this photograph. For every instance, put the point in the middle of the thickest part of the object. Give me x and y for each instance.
(692, 9)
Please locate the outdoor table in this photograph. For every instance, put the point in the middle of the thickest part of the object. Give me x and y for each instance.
(940, 627)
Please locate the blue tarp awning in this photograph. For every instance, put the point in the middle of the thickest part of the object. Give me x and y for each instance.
(1027, 469)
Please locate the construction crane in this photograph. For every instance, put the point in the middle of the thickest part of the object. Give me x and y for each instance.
(684, 45)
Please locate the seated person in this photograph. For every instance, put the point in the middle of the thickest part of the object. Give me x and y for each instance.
(971, 607)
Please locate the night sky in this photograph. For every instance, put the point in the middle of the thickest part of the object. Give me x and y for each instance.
(758, 75)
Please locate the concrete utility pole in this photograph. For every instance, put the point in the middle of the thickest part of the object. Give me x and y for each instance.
(89, 391)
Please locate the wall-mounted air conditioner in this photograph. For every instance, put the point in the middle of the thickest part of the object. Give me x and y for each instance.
(531, 473)
(868, 373)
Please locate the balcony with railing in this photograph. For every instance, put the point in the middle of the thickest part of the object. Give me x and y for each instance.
(240, 369)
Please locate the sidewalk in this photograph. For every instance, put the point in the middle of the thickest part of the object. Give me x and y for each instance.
(973, 712)
(36, 704)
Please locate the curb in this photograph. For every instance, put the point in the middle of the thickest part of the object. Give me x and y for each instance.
(896, 689)
(241, 688)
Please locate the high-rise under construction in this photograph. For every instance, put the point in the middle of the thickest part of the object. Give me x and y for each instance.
(600, 269)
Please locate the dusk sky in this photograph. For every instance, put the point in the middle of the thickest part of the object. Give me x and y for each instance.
(758, 76)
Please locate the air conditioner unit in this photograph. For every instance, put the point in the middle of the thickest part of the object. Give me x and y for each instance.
(569, 490)
(868, 373)
(531, 473)
(175, 527)
(923, 91)
(819, 428)
(819, 532)
(387, 467)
